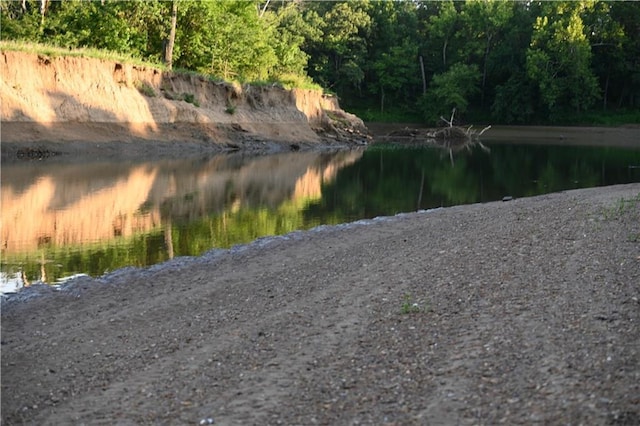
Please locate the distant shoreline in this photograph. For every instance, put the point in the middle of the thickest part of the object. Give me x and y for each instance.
(111, 141)
(622, 136)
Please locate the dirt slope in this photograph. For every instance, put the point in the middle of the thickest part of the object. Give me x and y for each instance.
(526, 313)
(90, 101)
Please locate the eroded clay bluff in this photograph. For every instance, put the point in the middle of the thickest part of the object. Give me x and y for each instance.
(77, 99)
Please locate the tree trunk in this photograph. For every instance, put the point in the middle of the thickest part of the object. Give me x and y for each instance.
(420, 192)
(606, 93)
(264, 9)
(168, 53)
(168, 238)
(43, 9)
(424, 78)
(484, 69)
(381, 99)
(444, 52)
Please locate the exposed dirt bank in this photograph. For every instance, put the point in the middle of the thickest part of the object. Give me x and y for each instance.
(69, 105)
(526, 313)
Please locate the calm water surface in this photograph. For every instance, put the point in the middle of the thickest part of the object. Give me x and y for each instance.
(63, 219)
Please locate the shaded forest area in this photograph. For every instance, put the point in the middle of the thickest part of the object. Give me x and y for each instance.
(521, 62)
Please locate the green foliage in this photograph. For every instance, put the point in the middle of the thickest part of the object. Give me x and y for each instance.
(231, 109)
(55, 51)
(191, 99)
(337, 59)
(290, 31)
(396, 68)
(17, 23)
(559, 58)
(442, 29)
(601, 118)
(389, 115)
(145, 88)
(410, 306)
(514, 100)
(451, 89)
(226, 39)
(290, 81)
(622, 207)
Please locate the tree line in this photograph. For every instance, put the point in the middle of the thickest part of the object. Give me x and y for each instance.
(504, 61)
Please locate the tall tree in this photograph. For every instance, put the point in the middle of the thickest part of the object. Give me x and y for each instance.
(391, 68)
(527, 60)
(293, 27)
(168, 53)
(338, 60)
(43, 10)
(483, 24)
(443, 28)
(451, 89)
(614, 34)
(226, 39)
(396, 69)
(559, 58)
(20, 21)
(514, 93)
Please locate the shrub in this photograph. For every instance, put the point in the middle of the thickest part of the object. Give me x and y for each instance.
(145, 88)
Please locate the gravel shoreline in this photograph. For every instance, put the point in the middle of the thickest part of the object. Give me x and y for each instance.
(519, 312)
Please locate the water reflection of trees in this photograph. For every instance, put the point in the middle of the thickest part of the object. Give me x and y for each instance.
(210, 203)
(95, 218)
(389, 179)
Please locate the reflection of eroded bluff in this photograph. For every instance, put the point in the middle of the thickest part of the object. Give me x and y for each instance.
(75, 204)
(71, 99)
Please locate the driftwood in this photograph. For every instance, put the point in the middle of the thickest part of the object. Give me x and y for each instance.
(452, 138)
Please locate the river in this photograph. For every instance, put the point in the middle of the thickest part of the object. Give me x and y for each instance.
(62, 218)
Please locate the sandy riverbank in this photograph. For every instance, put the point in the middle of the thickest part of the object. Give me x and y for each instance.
(76, 106)
(527, 312)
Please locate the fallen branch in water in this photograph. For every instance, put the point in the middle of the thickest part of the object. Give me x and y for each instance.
(452, 138)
